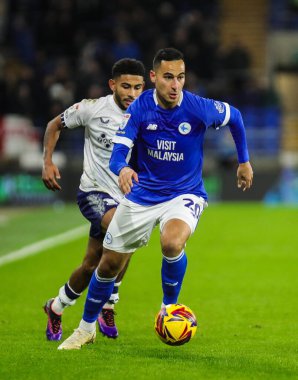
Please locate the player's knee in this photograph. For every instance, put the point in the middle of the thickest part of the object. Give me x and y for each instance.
(89, 267)
(173, 247)
(109, 267)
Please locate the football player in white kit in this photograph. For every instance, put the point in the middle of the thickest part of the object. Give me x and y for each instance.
(99, 193)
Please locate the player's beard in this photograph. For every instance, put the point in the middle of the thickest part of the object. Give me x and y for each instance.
(119, 103)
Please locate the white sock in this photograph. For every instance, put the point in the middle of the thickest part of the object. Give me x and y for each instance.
(114, 298)
(108, 306)
(86, 326)
(61, 301)
(57, 306)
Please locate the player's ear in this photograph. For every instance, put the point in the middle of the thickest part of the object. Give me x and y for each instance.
(112, 84)
(152, 76)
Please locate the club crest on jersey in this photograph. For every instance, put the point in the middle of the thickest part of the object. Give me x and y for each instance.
(126, 117)
(219, 106)
(108, 238)
(184, 128)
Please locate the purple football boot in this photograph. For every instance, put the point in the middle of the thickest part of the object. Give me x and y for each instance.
(54, 326)
(106, 323)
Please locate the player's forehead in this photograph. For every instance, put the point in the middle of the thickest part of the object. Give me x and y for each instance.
(132, 80)
(172, 67)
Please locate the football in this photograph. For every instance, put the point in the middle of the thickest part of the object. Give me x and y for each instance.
(175, 324)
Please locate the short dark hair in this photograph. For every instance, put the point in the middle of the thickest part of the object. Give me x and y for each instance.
(166, 54)
(128, 66)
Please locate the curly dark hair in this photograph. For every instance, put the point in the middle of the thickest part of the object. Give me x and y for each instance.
(128, 66)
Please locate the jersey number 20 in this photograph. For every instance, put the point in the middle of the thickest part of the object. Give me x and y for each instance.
(194, 208)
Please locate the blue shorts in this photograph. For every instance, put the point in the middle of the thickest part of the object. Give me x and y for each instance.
(94, 205)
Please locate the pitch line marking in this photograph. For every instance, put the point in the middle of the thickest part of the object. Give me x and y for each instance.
(39, 246)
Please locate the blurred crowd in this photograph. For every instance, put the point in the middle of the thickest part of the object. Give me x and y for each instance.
(56, 52)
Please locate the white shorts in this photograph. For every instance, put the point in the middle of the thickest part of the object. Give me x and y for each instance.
(132, 223)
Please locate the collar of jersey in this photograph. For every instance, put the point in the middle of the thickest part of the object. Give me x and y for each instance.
(164, 109)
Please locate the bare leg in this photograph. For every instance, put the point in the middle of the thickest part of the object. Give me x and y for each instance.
(80, 278)
(78, 282)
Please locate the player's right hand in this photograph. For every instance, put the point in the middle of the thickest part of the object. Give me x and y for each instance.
(50, 175)
(126, 176)
(244, 176)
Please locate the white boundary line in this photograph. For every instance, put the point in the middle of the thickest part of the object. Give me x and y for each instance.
(42, 245)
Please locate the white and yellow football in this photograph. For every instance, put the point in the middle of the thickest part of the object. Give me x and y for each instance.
(175, 324)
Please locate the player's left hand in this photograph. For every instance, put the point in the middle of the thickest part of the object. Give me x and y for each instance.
(126, 176)
(244, 176)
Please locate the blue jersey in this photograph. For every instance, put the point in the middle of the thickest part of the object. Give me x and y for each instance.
(168, 145)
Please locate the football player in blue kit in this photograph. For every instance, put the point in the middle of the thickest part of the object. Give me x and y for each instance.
(163, 182)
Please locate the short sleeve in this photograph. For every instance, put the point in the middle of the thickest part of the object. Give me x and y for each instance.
(78, 114)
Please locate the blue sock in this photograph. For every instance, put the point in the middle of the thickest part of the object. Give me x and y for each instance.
(99, 291)
(172, 274)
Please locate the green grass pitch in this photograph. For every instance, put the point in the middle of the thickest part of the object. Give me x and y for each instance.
(241, 282)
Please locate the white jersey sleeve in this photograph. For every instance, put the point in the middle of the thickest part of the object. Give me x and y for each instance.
(78, 114)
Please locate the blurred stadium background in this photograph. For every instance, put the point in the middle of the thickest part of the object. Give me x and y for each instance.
(242, 280)
(56, 52)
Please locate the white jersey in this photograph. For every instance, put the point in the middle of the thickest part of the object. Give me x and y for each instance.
(101, 119)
